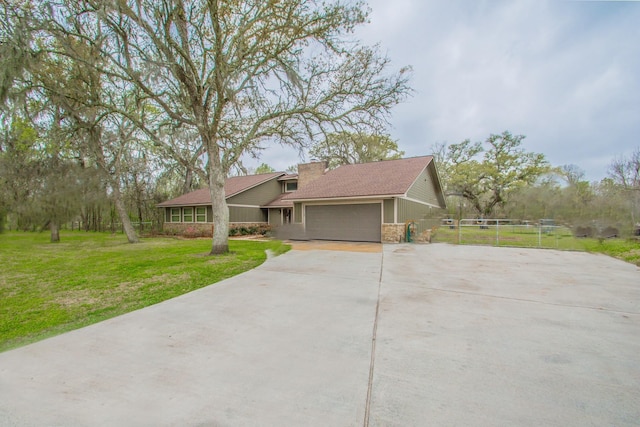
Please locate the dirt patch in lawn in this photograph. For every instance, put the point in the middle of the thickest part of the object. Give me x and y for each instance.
(324, 245)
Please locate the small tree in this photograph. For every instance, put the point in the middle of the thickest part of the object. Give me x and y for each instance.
(41, 183)
(346, 148)
(264, 168)
(625, 172)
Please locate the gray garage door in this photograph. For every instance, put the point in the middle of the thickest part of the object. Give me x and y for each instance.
(358, 223)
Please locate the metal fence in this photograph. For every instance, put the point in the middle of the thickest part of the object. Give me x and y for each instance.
(114, 226)
(506, 232)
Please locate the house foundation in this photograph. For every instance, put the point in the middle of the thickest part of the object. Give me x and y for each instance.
(396, 233)
(393, 233)
(205, 229)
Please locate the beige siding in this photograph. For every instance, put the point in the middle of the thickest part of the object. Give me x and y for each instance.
(424, 217)
(259, 195)
(244, 214)
(412, 211)
(275, 217)
(388, 211)
(424, 189)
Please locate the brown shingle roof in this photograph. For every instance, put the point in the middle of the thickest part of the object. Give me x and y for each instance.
(288, 177)
(383, 178)
(238, 184)
(232, 186)
(278, 202)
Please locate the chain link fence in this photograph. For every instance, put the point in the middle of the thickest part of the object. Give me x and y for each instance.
(506, 232)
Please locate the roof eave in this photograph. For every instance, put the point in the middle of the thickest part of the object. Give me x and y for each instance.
(280, 206)
(173, 205)
(342, 198)
(441, 196)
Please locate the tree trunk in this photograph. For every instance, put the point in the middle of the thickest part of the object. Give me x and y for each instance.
(140, 218)
(138, 193)
(97, 220)
(220, 244)
(217, 177)
(124, 216)
(188, 181)
(84, 218)
(55, 231)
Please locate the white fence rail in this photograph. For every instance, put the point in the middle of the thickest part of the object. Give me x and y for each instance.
(505, 232)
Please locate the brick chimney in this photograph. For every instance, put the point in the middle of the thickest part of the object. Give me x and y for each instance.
(308, 172)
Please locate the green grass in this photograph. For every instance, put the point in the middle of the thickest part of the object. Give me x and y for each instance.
(624, 249)
(49, 288)
(560, 238)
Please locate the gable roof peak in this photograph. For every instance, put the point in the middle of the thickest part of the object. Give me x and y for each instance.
(232, 186)
(381, 178)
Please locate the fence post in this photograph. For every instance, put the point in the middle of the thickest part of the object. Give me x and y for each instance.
(497, 232)
(539, 235)
(459, 231)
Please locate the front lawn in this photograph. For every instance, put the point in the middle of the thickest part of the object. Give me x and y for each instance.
(49, 288)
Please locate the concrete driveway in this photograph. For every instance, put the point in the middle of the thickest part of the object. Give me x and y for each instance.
(408, 336)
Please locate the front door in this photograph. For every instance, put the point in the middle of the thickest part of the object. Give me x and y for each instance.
(286, 215)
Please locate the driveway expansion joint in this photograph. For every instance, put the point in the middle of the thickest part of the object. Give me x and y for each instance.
(374, 334)
(533, 301)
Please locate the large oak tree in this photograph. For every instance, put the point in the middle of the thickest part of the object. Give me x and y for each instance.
(240, 73)
(485, 174)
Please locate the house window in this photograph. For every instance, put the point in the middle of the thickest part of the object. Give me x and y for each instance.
(201, 214)
(187, 214)
(291, 186)
(175, 214)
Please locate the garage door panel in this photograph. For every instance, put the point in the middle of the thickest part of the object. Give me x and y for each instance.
(358, 222)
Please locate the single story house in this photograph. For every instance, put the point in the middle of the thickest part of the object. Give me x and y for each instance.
(371, 202)
(252, 200)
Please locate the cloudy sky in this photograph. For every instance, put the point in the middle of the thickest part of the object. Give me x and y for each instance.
(564, 73)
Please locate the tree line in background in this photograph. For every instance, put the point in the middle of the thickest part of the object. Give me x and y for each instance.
(494, 179)
(499, 179)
